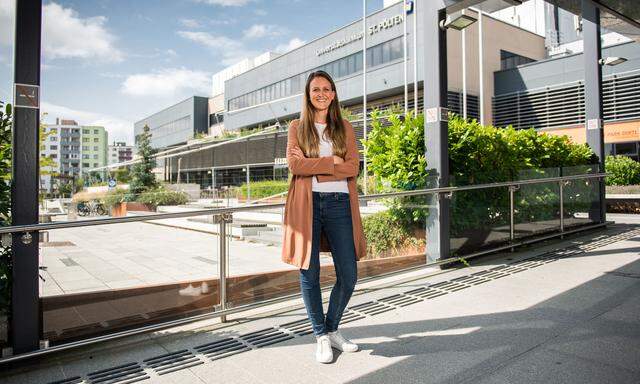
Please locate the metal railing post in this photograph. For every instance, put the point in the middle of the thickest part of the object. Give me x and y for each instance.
(562, 209)
(512, 234)
(222, 220)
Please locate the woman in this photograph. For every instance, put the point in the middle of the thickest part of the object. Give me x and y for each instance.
(323, 201)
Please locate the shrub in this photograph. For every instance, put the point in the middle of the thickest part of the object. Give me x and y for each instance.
(161, 196)
(266, 188)
(386, 236)
(477, 155)
(5, 207)
(624, 170)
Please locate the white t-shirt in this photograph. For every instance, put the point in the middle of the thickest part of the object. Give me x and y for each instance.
(326, 149)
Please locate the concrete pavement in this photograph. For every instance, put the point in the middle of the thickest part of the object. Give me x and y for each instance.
(569, 316)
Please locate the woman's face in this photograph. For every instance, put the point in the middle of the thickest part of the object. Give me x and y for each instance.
(321, 93)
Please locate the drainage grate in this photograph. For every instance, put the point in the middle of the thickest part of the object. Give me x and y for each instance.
(509, 269)
(371, 308)
(71, 380)
(299, 327)
(127, 373)
(172, 362)
(471, 280)
(426, 293)
(449, 286)
(69, 262)
(399, 300)
(349, 316)
(222, 348)
(266, 337)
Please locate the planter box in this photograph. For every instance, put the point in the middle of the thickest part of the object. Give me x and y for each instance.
(121, 209)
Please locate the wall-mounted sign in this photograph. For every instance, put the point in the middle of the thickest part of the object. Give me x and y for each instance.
(382, 25)
(26, 96)
(280, 161)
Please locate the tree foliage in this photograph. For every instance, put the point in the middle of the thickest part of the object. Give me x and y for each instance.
(477, 155)
(623, 170)
(142, 177)
(5, 205)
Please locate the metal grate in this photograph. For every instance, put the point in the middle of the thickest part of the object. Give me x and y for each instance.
(266, 337)
(371, 308)
(426, 293)
(172, 362)
(400, 300)
(299, 327)
(449, 286)
(122, 374)
(71, 380)
(222, 348)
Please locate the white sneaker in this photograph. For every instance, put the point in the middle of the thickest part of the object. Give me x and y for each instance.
(324, 354)
(340, 343)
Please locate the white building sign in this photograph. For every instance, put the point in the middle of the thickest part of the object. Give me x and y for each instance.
(384, 24)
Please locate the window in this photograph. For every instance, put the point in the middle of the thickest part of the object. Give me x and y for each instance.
(95, 157)
(85, 147)
(95, 140)
(85, 131)
(96, 131)
(54, 147)
(86, 140)
(75, 131)
(43, 147)
(54, 156)
(65, 147)
(86, 165)
(509, 60)
(95, 165)
(95, 148)
(53, 138)
(65, 130)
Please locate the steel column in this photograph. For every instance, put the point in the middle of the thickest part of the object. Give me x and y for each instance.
(26, 323)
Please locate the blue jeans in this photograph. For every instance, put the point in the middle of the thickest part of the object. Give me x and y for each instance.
(331, 214)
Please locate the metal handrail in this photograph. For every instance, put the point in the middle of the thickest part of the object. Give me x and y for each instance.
(217, 211)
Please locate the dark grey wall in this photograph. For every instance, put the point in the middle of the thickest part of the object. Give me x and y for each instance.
(562, 70)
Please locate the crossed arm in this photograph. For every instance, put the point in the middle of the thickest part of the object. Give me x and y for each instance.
(322, 167)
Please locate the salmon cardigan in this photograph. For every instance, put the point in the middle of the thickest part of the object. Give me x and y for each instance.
(298, 211)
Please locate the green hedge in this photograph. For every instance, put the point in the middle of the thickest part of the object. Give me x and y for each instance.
(624, 170)
(386, 236)
(155, 197)
(266, 188)
(478, 155)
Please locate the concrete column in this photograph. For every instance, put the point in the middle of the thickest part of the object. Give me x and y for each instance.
(593, 97)
(436, 129)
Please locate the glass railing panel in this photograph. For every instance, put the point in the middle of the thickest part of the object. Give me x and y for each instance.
(479, 220)
(102, 279)
(394, 231)
(537, 206)
(581, 197)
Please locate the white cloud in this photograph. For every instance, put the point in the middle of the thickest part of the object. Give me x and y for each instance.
(190, 23)
(7, 23)
(119, 129)
(231, 51)
(66, 35)
(260, 12)
(292, 44)
(262, 30)
(226, 3)
(170, 82)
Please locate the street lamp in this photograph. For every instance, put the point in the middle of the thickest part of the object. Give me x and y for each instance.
(611, 61)
(457, 21)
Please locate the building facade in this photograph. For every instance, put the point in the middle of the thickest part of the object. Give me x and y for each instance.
(549, 96)
(176, 124)
(120, 152)
(94, 147)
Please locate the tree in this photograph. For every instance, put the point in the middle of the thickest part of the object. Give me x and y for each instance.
(142, 177)
(5, 205)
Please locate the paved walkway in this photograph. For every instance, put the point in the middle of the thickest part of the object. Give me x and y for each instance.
(560, 312)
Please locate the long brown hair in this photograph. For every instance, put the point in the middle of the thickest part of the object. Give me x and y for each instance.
(308, 138)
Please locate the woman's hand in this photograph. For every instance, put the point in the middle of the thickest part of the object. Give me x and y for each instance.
(337, 159)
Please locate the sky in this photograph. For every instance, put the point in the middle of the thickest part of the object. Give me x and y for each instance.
(114, 62)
